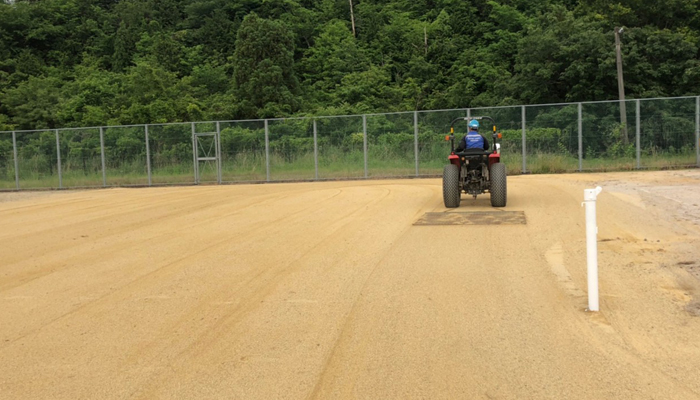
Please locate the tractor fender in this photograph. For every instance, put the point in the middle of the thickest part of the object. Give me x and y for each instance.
(454, 159)
(493, 159)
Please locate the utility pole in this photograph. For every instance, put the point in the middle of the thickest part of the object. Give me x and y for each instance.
(621, 86)
(352, 19)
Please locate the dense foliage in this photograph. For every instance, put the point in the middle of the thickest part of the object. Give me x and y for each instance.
(97, 62)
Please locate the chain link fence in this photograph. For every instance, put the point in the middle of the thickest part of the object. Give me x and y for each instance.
(549, 138)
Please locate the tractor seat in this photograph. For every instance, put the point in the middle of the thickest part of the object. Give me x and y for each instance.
(473, 152)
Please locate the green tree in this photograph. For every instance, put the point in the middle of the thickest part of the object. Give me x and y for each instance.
(33, 104)
(150, 93)
(333, 55)
(565, 58)
(264, 74)
(92, 62)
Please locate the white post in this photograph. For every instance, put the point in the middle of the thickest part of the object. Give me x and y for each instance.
(589, 197)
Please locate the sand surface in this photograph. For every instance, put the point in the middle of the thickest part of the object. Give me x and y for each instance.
(328, 291)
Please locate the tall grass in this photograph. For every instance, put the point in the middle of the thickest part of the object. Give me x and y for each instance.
(333, 163)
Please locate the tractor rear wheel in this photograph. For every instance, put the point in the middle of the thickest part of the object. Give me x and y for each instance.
(450, 186)
(498, 185)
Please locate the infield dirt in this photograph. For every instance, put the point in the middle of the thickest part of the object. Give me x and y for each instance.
(328, 290)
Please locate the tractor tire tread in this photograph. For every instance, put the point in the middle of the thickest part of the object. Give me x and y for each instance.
(451, 194)
(499, 189)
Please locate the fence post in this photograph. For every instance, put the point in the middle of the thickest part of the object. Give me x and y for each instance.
(580, 137)
(267, 151)
(364, 140)
(315, 151)
(522, 112)
(469, 112)
(415, 138)
(14, 152)
(218, 152)
(58, 160)
(148, 156)
(195, 155)
(102, 156)
(697, 130)
(638, 133)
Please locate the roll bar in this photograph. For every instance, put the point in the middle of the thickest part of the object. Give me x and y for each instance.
(452, 124)
(479, 118)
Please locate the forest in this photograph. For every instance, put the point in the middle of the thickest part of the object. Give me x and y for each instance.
(68, 63)
(90, 63)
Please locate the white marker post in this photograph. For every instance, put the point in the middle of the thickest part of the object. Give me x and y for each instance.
(589, 199)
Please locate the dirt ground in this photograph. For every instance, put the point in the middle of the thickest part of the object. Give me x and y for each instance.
(329, 290)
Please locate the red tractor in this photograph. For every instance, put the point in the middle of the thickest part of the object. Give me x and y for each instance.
(474, 171)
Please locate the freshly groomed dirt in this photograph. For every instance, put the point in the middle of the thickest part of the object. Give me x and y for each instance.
(329, 291)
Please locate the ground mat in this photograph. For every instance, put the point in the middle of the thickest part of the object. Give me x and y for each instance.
(473, 218)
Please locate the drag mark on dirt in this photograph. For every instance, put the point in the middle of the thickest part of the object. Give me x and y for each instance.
(555, 258)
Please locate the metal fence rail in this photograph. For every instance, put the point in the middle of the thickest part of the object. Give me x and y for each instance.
(545, 138)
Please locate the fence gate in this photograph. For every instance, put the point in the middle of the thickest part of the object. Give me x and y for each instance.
(207, 156)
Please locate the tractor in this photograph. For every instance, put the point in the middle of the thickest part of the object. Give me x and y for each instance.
(474, 171)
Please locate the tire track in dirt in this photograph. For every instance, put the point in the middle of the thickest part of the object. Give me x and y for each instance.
(179, 204)
(223, 353)
(345, 333)
(54, 252)
(145, 202)
(160, 272)
(253, 296)
(275, 221)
